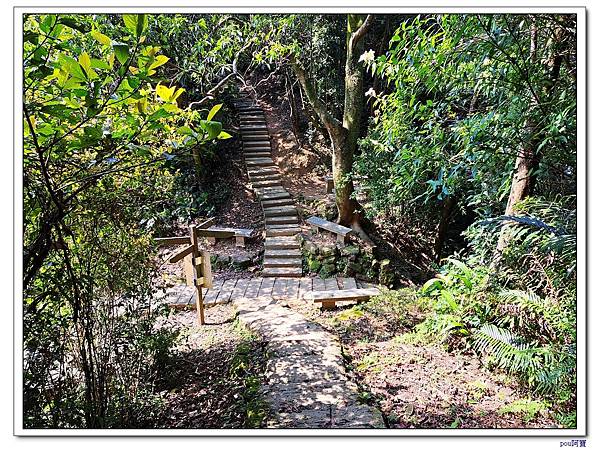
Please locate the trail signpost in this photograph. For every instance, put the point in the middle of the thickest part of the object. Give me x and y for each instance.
(197, 261)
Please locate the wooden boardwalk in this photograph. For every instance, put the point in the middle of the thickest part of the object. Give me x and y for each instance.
(253, 288)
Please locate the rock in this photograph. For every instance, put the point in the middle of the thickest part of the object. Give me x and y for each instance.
(241, 261)
(329, 250)
(311, 248)
(327, 270)
(329, 260)
(350, 250)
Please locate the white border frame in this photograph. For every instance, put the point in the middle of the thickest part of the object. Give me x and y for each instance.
(582, 401)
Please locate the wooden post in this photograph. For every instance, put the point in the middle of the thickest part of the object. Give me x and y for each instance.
(197, 274)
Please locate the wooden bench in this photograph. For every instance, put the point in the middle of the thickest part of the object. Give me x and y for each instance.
(240, 234)
(329, 298)
(341, 231)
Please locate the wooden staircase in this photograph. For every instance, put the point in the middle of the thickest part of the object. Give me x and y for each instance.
(282, 250)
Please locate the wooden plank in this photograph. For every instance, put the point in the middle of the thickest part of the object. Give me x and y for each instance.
(304, 286)
(207, 223)
(331, 284)
(197, 274)
(348, 283)
(215, 233)
(225, 293)
(342, 294)
(240, 288)
(207, 269)
(280, 288)
(172, 240)
(253, 288)
(291, 290)
(266, 287)
(245, 232)
(318, 284)
(329, 226)
(188, 268)
(213, 293)
(182, 254)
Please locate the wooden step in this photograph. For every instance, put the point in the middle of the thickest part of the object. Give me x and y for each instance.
(258, 171)
(244, 128)
(274, 176)
(279, 211)
(265, 183)
(273, 195)
(259, 162)
(328, 298)
(251, 155)
(282, 262)
(269, 190)
(283, 253)
(279, 202)
(291, 272)
(288, 231)
(282, 243)
(281, 219)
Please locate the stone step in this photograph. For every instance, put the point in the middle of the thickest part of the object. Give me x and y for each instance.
(251, 145)
(266, 183)
(260, 132)
(279, 211)
(288, 231)
(252, 118)
(283, 253)
(281, 219)
(291, 272)
(282, 262)
(282, 243)
(279, 202)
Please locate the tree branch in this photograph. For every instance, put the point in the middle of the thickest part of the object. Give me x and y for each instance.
(362, 30)
(331, 123)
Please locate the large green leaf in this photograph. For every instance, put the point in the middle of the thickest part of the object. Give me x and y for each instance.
(102, 38)
(121, 51)
(136, 23)
(212, 128)
(86, 62)
(215, 109)
(71, 66)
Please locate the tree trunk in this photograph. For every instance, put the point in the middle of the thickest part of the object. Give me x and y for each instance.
(344, 134)
(529, 158)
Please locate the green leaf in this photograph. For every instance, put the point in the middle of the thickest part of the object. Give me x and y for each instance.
(224, 135)
(164, 92)
(86, 63)
(121, 51)
(72, 23)
(102, 38)
(71, 66)
(136, 23)
(99, 64)
(159, 61)
(215, 109)
(211, 127)
(185, 130)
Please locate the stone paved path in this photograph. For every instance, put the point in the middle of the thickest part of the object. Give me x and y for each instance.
(282, 258)
(307, 386)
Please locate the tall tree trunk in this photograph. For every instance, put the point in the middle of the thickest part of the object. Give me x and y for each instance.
(344, 134)
(529, 158)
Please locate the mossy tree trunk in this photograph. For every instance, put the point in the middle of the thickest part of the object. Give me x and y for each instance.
(344, 134)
